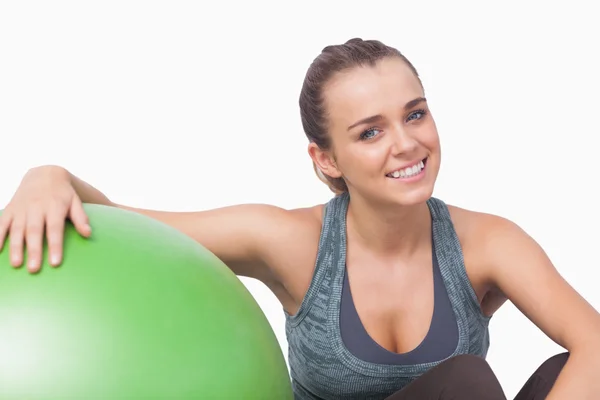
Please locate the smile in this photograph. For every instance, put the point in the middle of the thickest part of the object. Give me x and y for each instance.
(408, 172)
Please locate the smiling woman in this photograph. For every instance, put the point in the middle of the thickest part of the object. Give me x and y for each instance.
(388, 291)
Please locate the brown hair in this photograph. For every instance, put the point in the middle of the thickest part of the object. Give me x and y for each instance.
(332, 60)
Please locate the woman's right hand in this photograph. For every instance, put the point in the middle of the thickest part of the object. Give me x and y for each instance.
(38, 210)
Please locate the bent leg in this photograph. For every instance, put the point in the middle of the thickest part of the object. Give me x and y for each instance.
(463, 377)
(540, 383)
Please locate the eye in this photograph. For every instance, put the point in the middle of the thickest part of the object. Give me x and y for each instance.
(369, 134)
(418, 114)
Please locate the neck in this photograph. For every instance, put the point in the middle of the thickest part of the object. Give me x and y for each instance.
(391, 229)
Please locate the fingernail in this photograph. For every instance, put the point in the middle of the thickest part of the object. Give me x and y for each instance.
(32, 263)
(54, 259)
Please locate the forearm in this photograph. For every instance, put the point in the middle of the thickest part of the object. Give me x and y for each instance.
(87, 193)
(580, 377)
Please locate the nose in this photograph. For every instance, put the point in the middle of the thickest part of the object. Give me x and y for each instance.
(402, 142)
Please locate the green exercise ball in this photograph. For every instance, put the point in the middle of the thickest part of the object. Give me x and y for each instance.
(137, 311)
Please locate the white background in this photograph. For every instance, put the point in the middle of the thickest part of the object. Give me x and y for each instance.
(179, 106)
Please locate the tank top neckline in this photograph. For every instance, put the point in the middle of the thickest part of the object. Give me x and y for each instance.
(330, 264)
(439, 341)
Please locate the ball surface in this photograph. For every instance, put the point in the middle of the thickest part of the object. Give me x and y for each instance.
(138, 310)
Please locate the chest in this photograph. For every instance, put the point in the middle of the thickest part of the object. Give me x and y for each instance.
(395, 309)
(394, 302)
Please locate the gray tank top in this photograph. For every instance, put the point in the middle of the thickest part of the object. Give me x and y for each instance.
(328, 359)
(439, 343)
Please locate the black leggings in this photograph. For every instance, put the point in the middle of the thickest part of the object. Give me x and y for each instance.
(468, 377)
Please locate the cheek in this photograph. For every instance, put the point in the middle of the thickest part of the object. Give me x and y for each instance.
(362, 161)
(431, 138)
(433, 142)
(372, 158)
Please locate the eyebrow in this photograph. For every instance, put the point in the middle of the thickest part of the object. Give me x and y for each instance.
(375, 118)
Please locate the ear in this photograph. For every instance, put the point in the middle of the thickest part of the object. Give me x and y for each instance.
(324, 161)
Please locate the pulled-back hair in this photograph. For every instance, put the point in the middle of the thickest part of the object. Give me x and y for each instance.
(332, 60)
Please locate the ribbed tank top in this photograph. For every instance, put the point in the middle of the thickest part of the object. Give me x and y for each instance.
(439, 342)
(321, 366)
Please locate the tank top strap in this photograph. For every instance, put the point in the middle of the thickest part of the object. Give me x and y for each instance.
(439, 210)
(451, 260)
(321, 365)
(331, 249)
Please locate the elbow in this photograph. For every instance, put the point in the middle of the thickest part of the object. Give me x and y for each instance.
(586, 347)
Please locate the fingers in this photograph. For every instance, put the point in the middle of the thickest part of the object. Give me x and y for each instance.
(16, 238)
(55, 226)
(34, 240)
(28, 230)
(79, 218)
(4, 226)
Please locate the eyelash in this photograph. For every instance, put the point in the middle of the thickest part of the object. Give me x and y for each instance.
(363, 135)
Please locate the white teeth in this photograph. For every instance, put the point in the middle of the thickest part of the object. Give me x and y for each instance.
(408, 171)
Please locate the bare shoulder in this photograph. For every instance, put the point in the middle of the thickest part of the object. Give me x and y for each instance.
(293, 223)
(483, 236)
(287, 244)
(286, 232)
(492, 239)
(504, 263)
(279, 228)
(480, 228)
(474, 229)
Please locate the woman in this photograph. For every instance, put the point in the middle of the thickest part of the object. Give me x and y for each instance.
(388, 291)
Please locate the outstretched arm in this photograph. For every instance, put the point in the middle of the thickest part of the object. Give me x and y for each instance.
(242, 236)
(239, 235)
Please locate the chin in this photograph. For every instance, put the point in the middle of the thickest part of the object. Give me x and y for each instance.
(407, 195)
(406, 198)
(413, 197)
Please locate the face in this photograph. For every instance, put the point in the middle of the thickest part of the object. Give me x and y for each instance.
(384, 140)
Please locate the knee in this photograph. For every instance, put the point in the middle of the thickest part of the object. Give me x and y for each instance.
(559, 359)
(550, 368)
(472, 373)
(467, 362)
